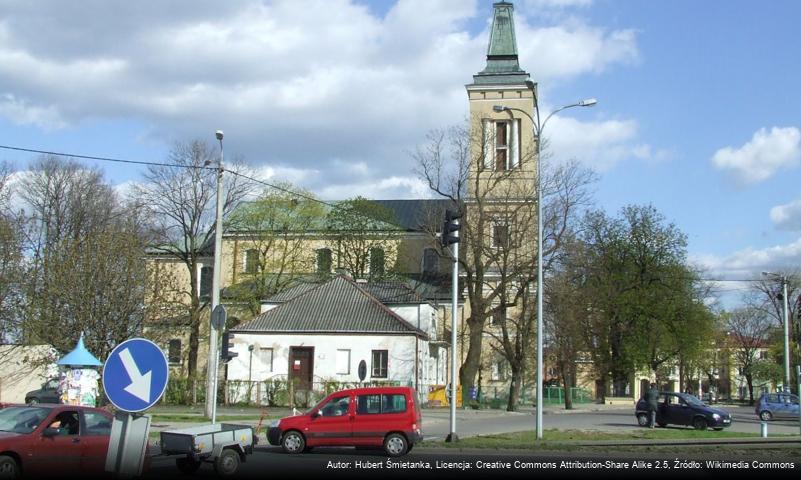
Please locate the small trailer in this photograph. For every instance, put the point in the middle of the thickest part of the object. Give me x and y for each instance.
(224, 444)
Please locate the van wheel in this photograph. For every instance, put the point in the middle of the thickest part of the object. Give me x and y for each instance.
(33, 401)
(765, 415)
(227, 463)
(293, 442)
(396, 445)
(642, 420)
(8, 467)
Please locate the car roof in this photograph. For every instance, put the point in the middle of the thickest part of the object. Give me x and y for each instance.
(368, 390)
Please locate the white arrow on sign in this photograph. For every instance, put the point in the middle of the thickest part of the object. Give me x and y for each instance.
(140, 384)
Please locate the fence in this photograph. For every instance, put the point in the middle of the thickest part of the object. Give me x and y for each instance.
(277, 392)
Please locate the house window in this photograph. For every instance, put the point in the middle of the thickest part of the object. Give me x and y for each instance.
(251, 260)
(174, 351)
(430, 261)
(376, 261)
(205, 281)
(343, 362)
(497, 370)
(380, 363)
(498, 317)
(763, 355)
(324, 261)
(266, 358)
(500, 235)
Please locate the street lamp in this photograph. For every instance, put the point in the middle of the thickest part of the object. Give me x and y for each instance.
(538, 127)
(211, 383)
(786, 321)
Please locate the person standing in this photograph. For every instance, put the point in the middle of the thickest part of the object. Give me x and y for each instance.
(652, 401)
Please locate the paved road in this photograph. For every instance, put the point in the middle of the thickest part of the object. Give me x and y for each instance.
(436, 422)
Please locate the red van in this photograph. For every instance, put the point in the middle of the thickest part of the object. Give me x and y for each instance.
(387, 417)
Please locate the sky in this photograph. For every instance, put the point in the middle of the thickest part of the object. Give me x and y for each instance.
(698, 109)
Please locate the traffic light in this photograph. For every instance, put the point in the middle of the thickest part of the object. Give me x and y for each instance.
(450, 229)
(227, 343)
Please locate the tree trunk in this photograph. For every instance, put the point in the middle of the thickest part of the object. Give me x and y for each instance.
(472, 362)
(567, 385)
(514, 389)
(749, 380)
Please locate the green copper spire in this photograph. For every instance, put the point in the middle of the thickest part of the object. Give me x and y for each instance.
(502, 64)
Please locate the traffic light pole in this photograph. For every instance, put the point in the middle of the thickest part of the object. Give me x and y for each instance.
(452, 437)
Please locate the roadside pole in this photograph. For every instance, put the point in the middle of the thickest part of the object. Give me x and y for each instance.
(450, 236)
(452, 437)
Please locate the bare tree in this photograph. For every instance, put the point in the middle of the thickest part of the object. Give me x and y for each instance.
(749, 330)
(499, 238)
(11, 261)
(85, 272)
(181, 201)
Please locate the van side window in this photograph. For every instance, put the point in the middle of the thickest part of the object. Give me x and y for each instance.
(386, 403)
(368, 404)
(395, 403)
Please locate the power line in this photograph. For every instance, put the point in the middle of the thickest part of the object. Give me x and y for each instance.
(175, 165)
(104, 159)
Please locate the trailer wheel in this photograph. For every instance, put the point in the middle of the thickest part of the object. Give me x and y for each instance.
(227, 463)
(187, 465)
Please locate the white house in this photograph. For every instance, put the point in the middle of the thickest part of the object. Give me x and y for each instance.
(316, 335)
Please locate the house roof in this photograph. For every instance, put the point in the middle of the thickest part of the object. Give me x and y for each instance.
(337, 306)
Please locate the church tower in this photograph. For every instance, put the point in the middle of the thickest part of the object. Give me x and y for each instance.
(502, 149)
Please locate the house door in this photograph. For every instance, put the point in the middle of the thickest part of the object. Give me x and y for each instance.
(301, 367)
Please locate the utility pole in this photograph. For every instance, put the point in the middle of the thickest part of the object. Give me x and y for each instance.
(212, 365)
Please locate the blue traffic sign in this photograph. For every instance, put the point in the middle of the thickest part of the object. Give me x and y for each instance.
(135, 375)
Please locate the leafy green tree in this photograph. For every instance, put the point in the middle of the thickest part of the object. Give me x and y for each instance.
(646, 306)
(366, 236)
(274, 229)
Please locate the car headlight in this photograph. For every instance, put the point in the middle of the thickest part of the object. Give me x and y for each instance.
(716, 416)
(275, 423)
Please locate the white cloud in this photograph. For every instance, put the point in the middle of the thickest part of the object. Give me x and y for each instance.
(557, 4)
(787, 216)
(600, 144)
(295, 85)
(763, 156)
(749, 262)
(573, 48)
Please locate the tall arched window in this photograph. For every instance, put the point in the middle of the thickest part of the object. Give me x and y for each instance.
(251, 260)
(376, 261)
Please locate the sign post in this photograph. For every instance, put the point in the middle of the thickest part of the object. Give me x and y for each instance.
(134, 378)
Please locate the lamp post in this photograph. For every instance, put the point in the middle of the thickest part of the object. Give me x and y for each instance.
(538, 127)
(786, 321)
(211, 384)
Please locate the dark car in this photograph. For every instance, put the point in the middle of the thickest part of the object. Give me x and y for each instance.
(45, 440)
(771, 405)
(683, 409)
(47, 394)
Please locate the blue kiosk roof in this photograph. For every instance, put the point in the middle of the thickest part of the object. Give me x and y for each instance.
(80, 356)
